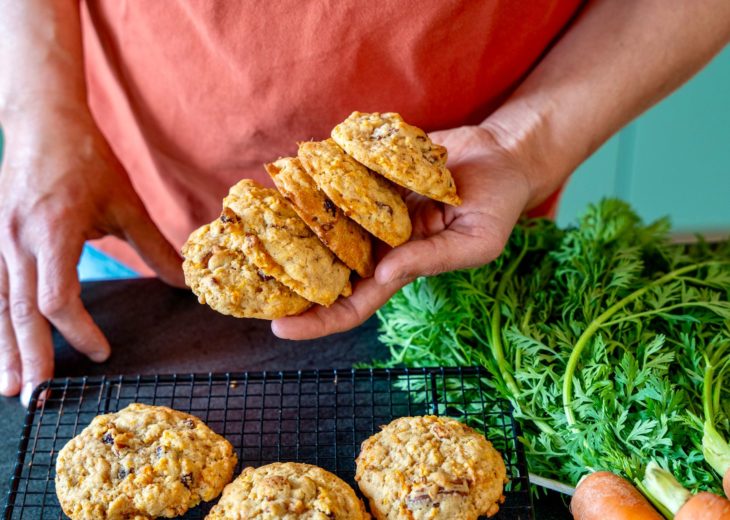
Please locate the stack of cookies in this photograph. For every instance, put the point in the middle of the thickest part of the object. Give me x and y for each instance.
(274, 253)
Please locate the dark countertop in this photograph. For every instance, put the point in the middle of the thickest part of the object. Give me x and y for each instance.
(156, 329)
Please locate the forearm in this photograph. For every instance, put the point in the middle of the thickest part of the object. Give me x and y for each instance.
(41, 61)
(618, 59)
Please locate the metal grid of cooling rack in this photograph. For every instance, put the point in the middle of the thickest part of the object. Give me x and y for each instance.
(318, 417)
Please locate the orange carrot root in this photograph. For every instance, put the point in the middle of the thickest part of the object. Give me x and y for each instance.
(704, 506)
(726, 483)
(603, 495)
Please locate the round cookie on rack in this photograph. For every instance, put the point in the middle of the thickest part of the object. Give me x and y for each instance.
(430, 467)
(367, 198)
(281, 245)
(220, 274)
(345, 238)
(142, 462)
(398, 151)
(288, 490)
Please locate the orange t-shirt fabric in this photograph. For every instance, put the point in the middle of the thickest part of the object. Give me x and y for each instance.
(194, 95)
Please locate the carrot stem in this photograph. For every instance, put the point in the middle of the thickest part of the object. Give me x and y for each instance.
(497, 348)
(496, 336)
(664, 490)
(666, 513)
(715, 448)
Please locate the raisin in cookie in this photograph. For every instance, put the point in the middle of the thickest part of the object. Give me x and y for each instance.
(281, 245)
(430, 468)
(220, 275)
(289, 491)
(140, 463)
(345, 238)
(367, 198)
(400, 152)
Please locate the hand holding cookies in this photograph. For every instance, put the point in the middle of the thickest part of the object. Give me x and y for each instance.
(337, 193)
(495, 190)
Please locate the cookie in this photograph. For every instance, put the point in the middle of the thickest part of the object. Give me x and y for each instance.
(430, 468)
(365, 197)
(141, 463)
(281, 245)
(220, 275)
(400, 152)
(344, 237)
(290, 491)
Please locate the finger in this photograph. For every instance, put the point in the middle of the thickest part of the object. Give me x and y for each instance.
(59, 300)
(139, 230)
(427, 216)
(445, 251)
(344, 314)
(440, 136)
(9, 357)
(32, 332)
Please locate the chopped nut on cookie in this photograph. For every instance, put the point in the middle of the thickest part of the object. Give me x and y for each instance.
(398, 151)
(367, 198)
(434, 468)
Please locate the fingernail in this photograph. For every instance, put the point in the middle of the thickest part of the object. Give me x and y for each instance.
(385, 277)
(398, 278)
(99, 356)
(276, 329)
(8, 382)
(391, 278)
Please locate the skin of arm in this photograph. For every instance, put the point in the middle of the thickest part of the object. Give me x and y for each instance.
(60, 185)
(618, 58)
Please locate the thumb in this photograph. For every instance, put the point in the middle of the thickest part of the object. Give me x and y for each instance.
(446, 251)
(138, 229)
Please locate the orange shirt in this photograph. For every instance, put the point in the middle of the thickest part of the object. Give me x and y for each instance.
(194, 95)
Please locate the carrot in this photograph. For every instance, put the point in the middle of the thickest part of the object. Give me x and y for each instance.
(726, 483)
(704, 506)
(664, 489)
(602, 495)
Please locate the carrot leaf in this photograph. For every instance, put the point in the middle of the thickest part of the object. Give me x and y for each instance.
(598, 334)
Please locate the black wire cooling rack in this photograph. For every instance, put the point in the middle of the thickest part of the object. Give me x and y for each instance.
(318, 417)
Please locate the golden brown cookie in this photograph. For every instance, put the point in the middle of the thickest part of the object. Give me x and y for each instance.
(220, 274)
(289, 491)
(345, 238)
(430, 467)
(400, 152)
(367, 198)
(140, 463)
(281, 245)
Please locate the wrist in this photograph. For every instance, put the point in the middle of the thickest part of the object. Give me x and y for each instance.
(22, 116)
(52, 89)
(521, 128)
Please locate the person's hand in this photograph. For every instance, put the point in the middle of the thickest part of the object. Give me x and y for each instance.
(495, 186)
(60, 185)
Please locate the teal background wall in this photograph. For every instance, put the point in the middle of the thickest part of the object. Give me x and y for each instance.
(673, 160)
